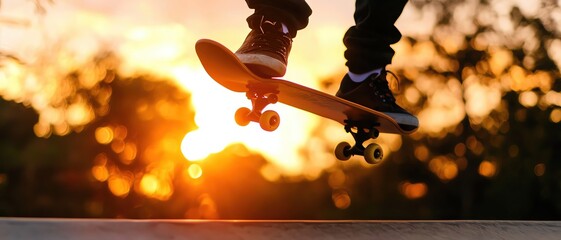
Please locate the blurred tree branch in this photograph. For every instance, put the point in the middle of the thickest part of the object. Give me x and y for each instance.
(39, 8)
(20, 22)
(40, 5)
(14, 21)
(8, 57)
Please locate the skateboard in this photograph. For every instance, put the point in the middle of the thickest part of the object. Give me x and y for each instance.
(361, 122)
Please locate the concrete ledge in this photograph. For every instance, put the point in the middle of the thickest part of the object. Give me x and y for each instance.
(39, 228)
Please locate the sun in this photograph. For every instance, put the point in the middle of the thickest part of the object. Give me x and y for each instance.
(215, 108)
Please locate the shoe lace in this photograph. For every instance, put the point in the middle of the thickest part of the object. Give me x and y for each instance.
(274, 42)
(381, 87)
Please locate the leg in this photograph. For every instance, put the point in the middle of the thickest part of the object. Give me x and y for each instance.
(368, 52)
(368, 42)
(293, 13)
(274, 24)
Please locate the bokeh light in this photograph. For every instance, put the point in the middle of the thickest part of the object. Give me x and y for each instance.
(115, 104)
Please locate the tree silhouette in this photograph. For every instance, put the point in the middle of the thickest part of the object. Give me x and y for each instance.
(484, 82)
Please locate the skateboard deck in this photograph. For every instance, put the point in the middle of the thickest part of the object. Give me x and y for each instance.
(363, 123)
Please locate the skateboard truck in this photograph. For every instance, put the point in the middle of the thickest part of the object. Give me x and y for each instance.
(361, 132)
(268, 120)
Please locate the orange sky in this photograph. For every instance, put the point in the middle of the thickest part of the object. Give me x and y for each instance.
(159, 36)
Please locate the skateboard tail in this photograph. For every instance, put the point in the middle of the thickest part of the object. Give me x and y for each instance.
(408, 129)
(208, 51)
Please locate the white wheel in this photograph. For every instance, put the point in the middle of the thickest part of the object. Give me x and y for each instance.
(242, 116)
(340, 150)
(269, 120)
(373, 154)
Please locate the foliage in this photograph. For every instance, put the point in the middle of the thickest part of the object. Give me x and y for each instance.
(484, 82)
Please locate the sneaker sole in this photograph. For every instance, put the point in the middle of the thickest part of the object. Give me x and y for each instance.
(406, 121)
(263, 65)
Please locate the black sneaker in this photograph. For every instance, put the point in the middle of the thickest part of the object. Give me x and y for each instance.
(266, 48)
(375, 93)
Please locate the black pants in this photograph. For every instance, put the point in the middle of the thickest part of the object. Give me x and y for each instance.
(368, 42)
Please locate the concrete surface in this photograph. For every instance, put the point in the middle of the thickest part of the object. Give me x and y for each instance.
(102, 229)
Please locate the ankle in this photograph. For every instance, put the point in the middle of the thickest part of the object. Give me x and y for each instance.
(360, 77)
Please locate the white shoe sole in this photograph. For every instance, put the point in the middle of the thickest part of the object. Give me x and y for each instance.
(263, 64)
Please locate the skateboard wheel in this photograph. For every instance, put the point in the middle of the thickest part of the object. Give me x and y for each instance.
(269, 120)
(341, 151)
(373, 153)
(242, 116)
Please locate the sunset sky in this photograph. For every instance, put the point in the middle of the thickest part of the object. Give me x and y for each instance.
(158, 37)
